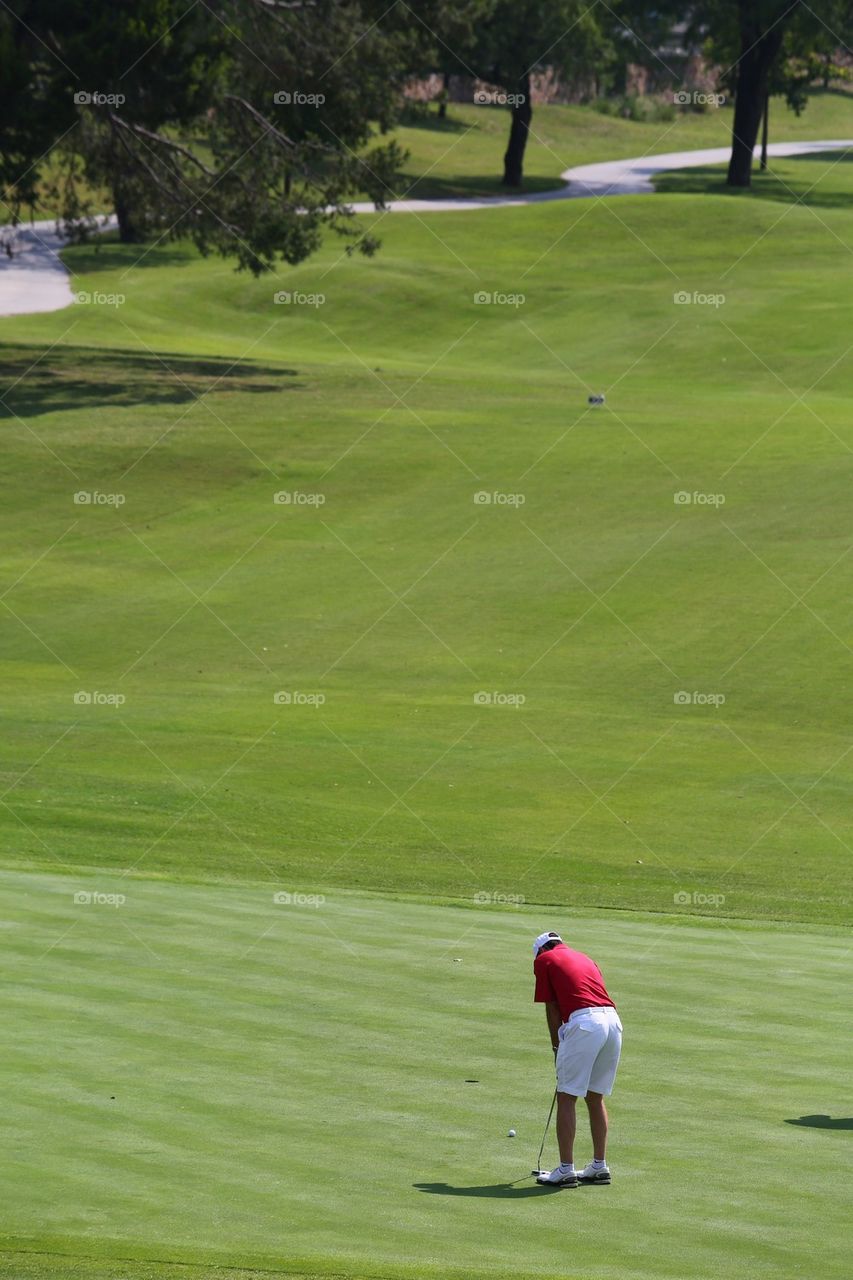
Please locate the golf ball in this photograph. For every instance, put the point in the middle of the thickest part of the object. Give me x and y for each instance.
(511, 1133)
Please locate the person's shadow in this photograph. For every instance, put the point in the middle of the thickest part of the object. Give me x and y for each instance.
(496, 1191)
(824, 1122)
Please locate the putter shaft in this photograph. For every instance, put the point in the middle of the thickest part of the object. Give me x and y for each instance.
(538, 1168)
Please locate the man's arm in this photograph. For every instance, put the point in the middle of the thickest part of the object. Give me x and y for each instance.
(552, 1013)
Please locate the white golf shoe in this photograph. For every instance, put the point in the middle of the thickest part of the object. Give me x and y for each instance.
(557, 1179)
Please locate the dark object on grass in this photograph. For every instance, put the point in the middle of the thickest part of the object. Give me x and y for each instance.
(824, 1122)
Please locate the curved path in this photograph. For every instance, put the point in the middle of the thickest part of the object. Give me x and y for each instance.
(34, 278)
(610, 177)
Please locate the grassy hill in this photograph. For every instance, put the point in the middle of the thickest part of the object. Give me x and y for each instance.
(401, 598)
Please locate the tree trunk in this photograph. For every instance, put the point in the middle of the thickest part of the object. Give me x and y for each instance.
(522, 114)
(445, 94)
(764, 129)
(759, 50)
(127, 231)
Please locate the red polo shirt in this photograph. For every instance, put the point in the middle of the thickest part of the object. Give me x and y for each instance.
(570, 979)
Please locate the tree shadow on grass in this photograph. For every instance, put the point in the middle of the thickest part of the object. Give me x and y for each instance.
(824, 1122)
(494, 1191)
(430, 120)
(473, 187)
(71, 377)
(711, 180)
(103, 251)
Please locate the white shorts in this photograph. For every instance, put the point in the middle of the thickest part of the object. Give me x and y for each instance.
(590, 1045)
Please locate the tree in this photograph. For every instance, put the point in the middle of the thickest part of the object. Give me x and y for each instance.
(169, 61)
(769, 46)
(243, 124)
(571, 38)
(761, 29)
(635, 36)
(516, 38)
(456, 42)
(30, 121)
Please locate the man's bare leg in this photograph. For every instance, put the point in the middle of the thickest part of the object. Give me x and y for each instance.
(597, 1124)
(566, 1126)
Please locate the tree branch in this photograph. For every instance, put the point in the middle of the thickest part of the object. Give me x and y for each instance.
(142, 132)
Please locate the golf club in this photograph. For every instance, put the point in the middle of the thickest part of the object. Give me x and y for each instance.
(536, 1172)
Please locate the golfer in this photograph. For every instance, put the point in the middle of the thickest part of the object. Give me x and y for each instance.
(586, 1036)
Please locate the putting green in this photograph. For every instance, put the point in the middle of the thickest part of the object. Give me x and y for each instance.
(199, 1074)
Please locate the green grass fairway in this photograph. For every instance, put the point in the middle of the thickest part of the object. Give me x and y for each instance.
(584, 703)
(284, 1087)
(401, 599)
